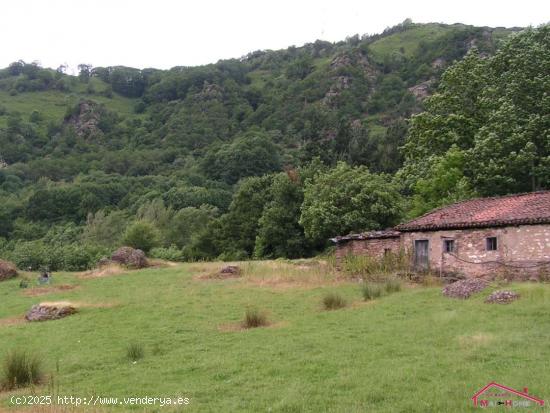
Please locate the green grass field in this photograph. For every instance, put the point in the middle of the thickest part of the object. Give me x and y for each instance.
(411, 351)
(52, 104)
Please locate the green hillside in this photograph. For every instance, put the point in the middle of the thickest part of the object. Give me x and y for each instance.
(264, 156)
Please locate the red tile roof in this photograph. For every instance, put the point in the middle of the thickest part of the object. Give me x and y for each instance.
(521, 209)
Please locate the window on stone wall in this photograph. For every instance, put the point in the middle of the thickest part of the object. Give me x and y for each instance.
(492, 244)
(449, 245)
(387, 251)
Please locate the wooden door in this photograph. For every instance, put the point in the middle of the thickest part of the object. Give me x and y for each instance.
(421, 258)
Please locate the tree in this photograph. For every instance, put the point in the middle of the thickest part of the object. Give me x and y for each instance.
(444, 184)
(348, 199)
(84, 72)
(495, 110)
(252, 154)
(279, 231)
(142, 235)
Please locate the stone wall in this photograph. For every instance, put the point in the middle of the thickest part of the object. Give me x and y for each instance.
(519, 249)
(374, 247)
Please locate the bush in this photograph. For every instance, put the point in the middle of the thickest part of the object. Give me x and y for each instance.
(171, 253)
(254, 318)
(141, 235)
(371, 291)
(21, 369)
(333, 301)
(392, 285)
(134, 352)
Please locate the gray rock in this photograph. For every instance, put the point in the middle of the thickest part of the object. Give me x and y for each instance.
(130, 257)
(50, 311)
(7, 270)
(465, 288)
(502, 297)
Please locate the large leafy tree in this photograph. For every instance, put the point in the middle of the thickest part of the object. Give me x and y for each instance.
(346, 199)
(279, 232)
(496, 110)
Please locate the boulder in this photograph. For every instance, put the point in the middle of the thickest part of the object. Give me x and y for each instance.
(50, 311)
(465, 288)
(231, 269)
(7, 270)
(130, 257)
(502, 297)
(137, 259)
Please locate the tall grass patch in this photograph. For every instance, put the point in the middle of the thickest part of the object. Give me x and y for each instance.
(134, 351)
(377, 269)
(21, 369)
(392, 285)
(371, 290)
(333, 301)
(254, 318)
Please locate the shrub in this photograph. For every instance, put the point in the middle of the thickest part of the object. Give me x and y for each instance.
(254, 318)
(333, 301)
(21, 369)
(171, 253)
(392, 285)
(134, 352)
(141, 235)
(372, 268)
(371, 291)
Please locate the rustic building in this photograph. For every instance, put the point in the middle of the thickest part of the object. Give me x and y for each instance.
(373, 243)
(507, 235)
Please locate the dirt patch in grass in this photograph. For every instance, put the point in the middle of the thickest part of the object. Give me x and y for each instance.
(11, 321)
(475, 340)
(104, 271)
(224, 273)
(233, 327)
(38, 291)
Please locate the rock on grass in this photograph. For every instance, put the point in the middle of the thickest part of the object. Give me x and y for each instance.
(465, 288)
(7, 270)
(50, 311)
(502, 297)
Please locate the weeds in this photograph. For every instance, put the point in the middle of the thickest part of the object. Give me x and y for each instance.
(254, 318)
(21, 369)
(371, 291)
(134, 352)
(333, 301)
(372, 268)
(392, 285)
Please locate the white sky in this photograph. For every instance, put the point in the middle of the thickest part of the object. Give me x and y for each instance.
(167, 33)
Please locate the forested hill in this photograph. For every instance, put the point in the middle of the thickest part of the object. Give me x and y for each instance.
(198, 162)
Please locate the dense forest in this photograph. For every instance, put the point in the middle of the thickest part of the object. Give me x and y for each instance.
(271, 154)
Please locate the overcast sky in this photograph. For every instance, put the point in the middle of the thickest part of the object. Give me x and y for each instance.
(167, 33)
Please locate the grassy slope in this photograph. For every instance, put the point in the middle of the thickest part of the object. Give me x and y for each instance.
(52, 104)
(409, 40)
(413, 351)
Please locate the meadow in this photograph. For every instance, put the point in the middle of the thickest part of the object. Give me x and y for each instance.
(413, 350)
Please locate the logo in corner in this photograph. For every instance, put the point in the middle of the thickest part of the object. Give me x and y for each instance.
(496, 395)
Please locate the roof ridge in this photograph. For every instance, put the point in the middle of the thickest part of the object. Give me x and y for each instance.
(475, 199)
(450, 215)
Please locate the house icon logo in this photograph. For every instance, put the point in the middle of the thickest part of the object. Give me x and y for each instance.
(496, 395)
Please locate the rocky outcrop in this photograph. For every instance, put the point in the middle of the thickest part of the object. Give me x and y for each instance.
(85, 119)
(50, 311)
(465, 288)
(502, 297)
(7, 270)
(422, 90)
(133, 258)
(341, 78)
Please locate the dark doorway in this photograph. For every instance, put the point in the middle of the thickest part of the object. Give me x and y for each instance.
(421, 259)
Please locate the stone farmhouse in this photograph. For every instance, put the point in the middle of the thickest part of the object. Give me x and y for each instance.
(473, 238)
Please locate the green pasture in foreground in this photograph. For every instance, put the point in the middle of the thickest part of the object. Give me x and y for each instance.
(411, 351)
